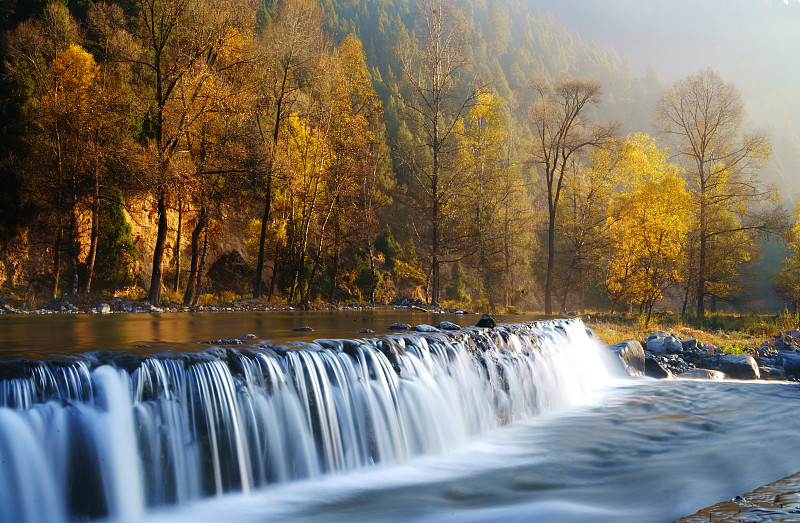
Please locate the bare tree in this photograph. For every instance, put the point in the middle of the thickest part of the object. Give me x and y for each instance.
(434, 72)
(704, 117)
(562, 131)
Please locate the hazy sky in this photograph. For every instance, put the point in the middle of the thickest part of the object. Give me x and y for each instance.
(753, 43)
(681, 36)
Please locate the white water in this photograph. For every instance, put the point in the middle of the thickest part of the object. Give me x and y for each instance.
(85, 440)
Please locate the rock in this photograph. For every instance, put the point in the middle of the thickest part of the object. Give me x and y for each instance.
(703, 374)
(447, 326)
(663, 343)
(425, 328)
(249, 337)
(103, 308)
(653, 369)
(739, 366)
(631, 354)
(399, 326)
(690, 344)
(486, 321)
(772, 373)
(152, 308)
(364, 331)
(303, 329)
(790, 361)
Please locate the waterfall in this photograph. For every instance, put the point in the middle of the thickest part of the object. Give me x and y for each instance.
(112, 434)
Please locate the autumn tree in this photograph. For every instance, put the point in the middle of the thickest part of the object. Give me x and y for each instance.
(288, 59)
(703, 116)
(787, 282)
(649, 221)
(583, 219)
(562, 131)
(438, 98)
(179, 46)
(488, 195)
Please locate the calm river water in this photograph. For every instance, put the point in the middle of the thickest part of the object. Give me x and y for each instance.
(144, 333)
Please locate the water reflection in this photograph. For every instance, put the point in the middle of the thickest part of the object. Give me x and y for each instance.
(40, 336)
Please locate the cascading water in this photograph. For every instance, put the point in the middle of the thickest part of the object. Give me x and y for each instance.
(112, 435)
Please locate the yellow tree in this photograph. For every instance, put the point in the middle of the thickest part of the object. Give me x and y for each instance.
(488, 191)
(583, 219)
(704, 116)
(648, 226)
(66, 110)
(787, 283)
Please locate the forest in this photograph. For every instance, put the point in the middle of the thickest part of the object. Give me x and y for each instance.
(473, 154)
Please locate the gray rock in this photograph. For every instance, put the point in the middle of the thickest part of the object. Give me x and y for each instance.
(399, 326)
(364, 331)
(663, 343)
(447, 326)
(303, 329)
(790, 361)
(690, 344)
(425, 328)
(772, 373)
(703, 374)
(739, 366)
(103, 308)
(249, 337)
(631, 354)
(654, 369)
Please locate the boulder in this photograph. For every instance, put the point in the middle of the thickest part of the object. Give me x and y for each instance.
(486, 321)
(303, 329)
(364, 331)
(425, 328)
(653, 369)
(631, 354)
(790, 361)
(663, 343)
(772, 373)
(399, 326)
(690, 344)
(104, 308)
(448, 326)
(739, 366)
(703, 374)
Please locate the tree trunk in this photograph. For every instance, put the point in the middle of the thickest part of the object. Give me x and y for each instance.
(551, 256)
(178, 248)
(198, 289)
(154, 297)
(188, 294)
(92, 256)
(57, 263)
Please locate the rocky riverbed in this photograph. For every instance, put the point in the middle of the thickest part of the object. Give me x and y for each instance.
(666, 355)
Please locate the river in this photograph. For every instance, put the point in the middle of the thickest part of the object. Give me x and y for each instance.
(539, 427)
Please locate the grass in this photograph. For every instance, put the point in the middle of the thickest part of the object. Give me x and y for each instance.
(733, 333)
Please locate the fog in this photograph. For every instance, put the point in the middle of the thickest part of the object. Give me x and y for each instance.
(753, 43)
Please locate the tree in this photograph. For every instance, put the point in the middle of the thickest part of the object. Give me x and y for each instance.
(704, 118)
(180, 42)
(562, 131)
(649, 221)
(488, 192)
(436, 102)
(289, 61)
(787, 282)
